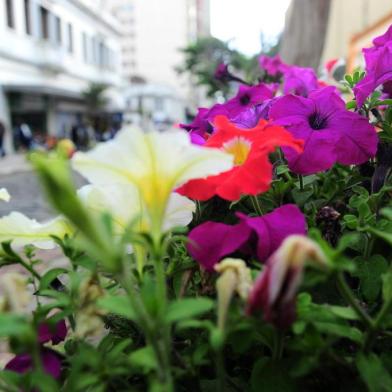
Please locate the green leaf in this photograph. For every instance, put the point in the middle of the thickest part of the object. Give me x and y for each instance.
(340, 330)
(351, 105)
(381, 234)
(48, 278)
(369, 272)
(373, 373)
(188, 308)
(12, 325)
(301, 197)
(351, 221)
(143, 358)
(120, 305)
(387, 286)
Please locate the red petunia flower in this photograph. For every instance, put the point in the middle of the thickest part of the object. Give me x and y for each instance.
(252, 173)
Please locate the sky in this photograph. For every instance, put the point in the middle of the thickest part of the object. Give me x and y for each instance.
(242, 21)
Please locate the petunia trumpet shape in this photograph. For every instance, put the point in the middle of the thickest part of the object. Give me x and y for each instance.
(22, 230)
(211, 241)
(331, 133)
(378, 60)
(123, 203)
(155, 163)
(250, 148)
(274, 292)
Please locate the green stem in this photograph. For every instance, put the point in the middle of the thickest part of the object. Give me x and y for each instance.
(301, 182)
(369, 246)
(349, 297)
(256, 205)
(29, 268)
(278, 345)
(163, 328)
(374, 330)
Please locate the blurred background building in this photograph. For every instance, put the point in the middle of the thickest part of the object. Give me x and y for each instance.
(50, 52)
(352, 26)
(154, 31)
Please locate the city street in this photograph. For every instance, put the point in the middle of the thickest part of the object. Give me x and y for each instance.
(22, 184)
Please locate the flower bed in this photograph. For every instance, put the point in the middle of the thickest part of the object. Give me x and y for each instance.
(248, 251)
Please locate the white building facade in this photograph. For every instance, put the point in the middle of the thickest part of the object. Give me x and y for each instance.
(154, 32)
(50, 52)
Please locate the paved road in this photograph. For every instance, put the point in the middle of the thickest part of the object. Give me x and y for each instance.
(27, 196)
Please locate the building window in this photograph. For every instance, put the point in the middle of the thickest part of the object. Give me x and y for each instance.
(70, 38)
(9, 5)
(58, 30)
(85, 51)
(44, 15)
(27, 16)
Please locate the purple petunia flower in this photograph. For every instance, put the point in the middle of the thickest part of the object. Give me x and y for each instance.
(23, 363)
(299, 81)
(273, 65)
(211, 241)
(378, 67)
(250, 118)
(330, 132)
(248, 96)
(51, 361)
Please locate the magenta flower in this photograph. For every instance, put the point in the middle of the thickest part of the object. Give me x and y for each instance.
(51, 361)
(378, 67)
(274, 66)
(211, 241)
(299, 81)
(248, 96)
(330, 132)
(249, 118)
(203, 122)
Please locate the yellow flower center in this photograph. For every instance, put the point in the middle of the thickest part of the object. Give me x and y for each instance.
(239, 147)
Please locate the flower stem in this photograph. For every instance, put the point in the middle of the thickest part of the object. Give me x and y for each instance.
(301, 182)
(349, 297)
(373, 331)
(256, 205)
(162, 327)
(278, 345)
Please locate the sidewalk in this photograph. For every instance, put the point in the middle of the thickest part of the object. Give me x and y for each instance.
(14, 163)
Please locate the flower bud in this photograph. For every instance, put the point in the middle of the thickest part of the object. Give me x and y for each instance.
(234, 277)
(274, 291)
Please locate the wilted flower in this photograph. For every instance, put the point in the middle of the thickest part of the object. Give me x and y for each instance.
(89, 317)
(378, 67)
(51, 361)
(234, 277)
(252, 173)
(274, 291)
(330, 132)
(211, 241)
(222, 72)
(155, 163)
(16, 296)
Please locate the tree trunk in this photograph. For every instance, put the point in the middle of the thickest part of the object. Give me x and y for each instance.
(304, 33)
